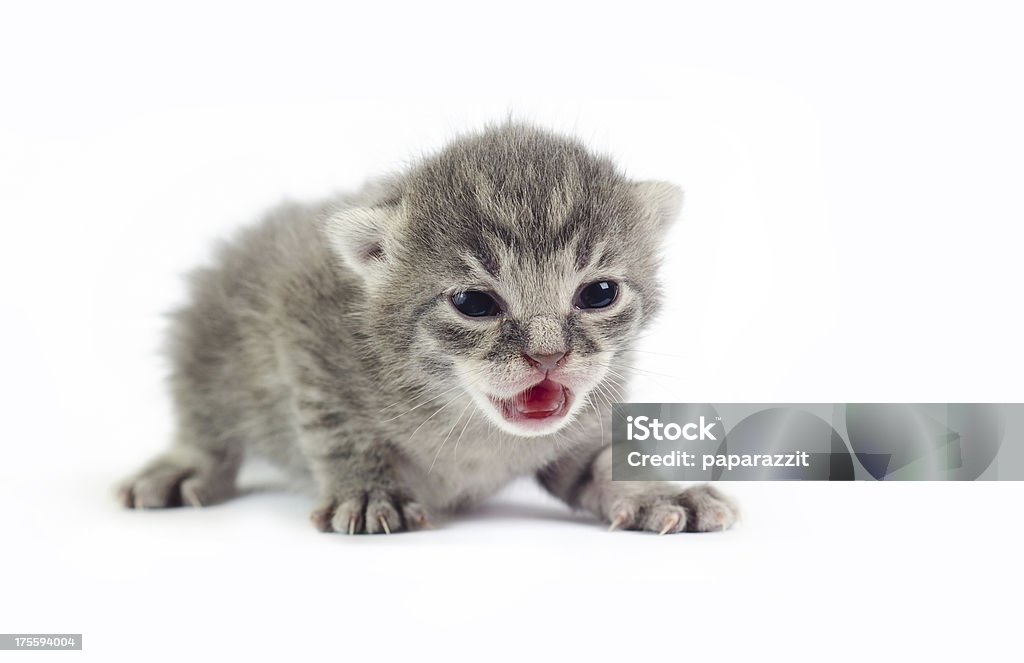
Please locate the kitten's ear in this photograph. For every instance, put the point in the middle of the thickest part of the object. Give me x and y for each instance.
(363, 237)
(662, 200)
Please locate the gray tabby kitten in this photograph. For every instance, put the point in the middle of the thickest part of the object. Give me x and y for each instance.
(414, 347)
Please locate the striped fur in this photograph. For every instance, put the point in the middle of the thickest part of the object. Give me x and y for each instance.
(324, 338)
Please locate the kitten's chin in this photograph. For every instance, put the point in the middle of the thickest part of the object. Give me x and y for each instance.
(540, 410)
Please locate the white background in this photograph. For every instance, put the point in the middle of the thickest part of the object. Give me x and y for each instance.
(851, 232)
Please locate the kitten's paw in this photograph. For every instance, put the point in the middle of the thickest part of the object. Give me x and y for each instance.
(697, 509)
(177, 479)
(371, 511)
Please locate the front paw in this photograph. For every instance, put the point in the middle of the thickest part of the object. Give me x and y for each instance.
(666, 511)
(369, 511)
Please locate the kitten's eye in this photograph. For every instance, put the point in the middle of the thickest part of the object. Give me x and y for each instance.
(475, 304)
(598, 294)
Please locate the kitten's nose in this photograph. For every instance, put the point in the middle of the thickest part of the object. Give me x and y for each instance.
(545, 362)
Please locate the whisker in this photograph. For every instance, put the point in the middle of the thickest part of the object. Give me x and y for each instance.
(445, 441)
(660, 354)
(600, 415)
(434, 413)
(433, 398)
(461, 433)
(644, 370)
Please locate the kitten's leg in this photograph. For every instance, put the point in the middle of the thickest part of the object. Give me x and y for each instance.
(359, 489)
(357, 474)
(186, 475)
(585, 481)
(201, 468)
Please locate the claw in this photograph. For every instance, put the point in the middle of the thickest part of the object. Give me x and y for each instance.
(191, 497)
(670, 522)
(617, 523)
(384, 524)
(352, 525)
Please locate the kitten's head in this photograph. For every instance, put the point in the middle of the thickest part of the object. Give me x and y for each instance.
(515, 265)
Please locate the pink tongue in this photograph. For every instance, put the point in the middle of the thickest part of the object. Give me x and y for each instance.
(544, 397)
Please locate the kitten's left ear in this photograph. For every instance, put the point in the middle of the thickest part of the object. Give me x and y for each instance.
(363, 237)
(662, 200)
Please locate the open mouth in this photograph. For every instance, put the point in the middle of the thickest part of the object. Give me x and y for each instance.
(547, 400)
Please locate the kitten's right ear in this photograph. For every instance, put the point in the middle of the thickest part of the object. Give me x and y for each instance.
(662, 201)
(363, 238)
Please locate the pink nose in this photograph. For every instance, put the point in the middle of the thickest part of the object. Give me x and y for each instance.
(545, 362)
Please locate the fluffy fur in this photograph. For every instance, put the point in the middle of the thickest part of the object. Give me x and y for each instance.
(325, 339)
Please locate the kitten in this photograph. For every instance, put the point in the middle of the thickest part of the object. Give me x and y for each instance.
(415, 346)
